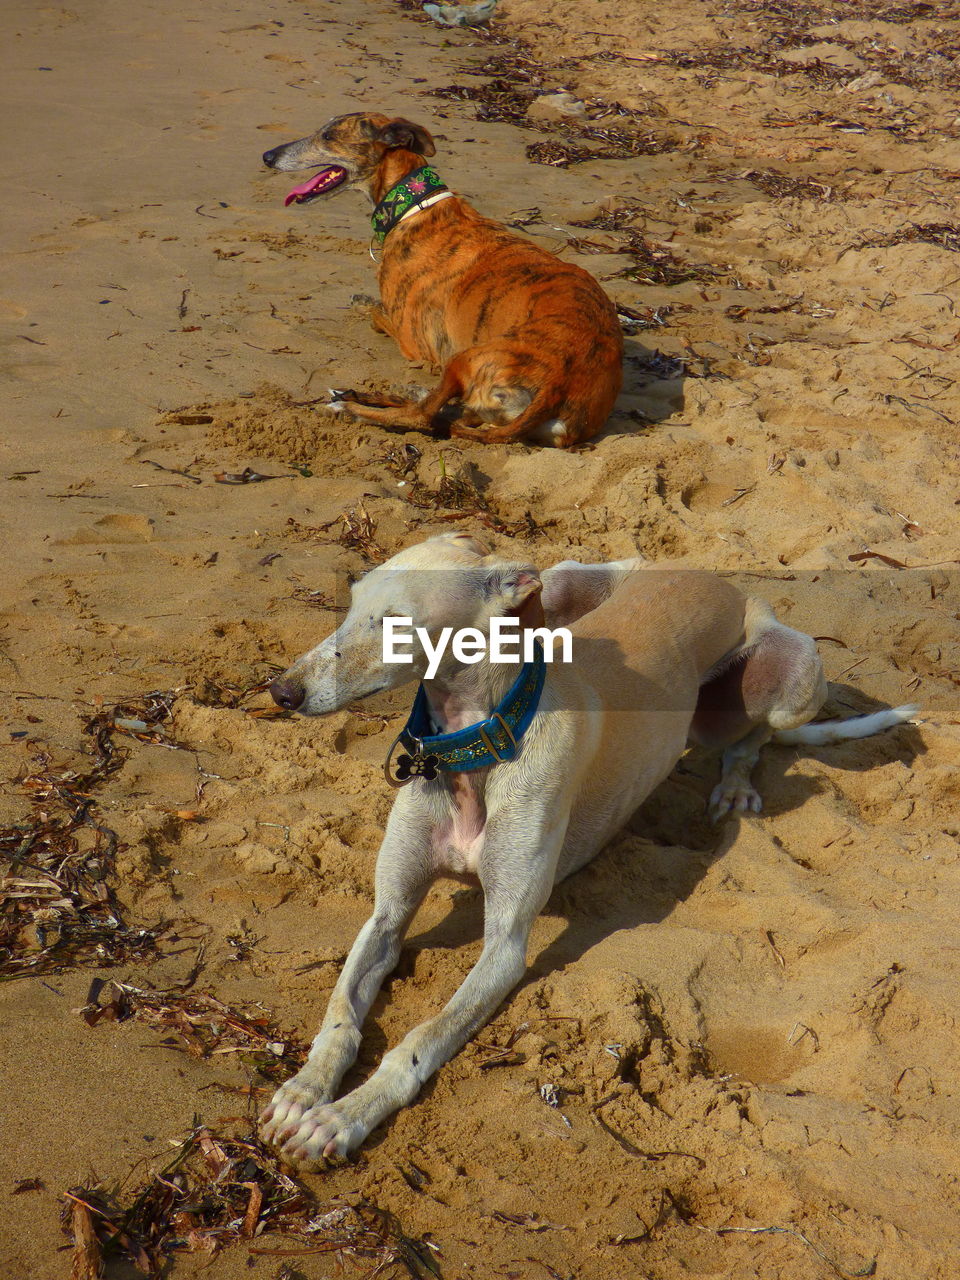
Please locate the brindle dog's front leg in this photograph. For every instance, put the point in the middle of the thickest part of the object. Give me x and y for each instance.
(380, 324)
(403, 875)
(517, 881)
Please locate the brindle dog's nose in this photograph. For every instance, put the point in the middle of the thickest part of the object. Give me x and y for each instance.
(270, 157)
(287, 693)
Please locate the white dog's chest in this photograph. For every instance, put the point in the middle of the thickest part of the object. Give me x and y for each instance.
(458, 839)
(457, 854)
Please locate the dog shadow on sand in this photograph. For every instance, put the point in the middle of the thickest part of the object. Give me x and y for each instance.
(653, 385)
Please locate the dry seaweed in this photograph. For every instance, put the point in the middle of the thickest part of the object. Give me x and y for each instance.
(652, 263)
(787, 27)
(213, 691)
(634, 320)
(727, 58)
(944, 234)
(316, 600)
(658, 366)
(561, 154)
(219, 1189)
(786, 19)
(200, 1025)
(357, 532)
(619, 146)
(626, 142)
(518, 79)
(57, 908)
(623, 217)
(499, 99)
(455, 490)
(457, 494)
(782, 186)
(87, 1261)
(57, 905)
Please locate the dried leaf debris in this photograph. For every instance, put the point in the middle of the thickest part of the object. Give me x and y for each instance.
(785, 27)
(199, 1024)
(220, 1189)
(944, 234)
(518, 80)
(652, 263)
(57, 903)
(457, 494)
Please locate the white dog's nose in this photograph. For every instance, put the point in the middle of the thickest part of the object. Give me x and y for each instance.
(288, 693)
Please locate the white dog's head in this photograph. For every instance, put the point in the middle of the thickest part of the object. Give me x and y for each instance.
(448, 581)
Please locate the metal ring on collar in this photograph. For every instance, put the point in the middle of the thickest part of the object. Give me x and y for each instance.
(488, 741)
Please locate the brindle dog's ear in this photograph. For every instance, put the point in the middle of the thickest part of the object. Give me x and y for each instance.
(412, 137)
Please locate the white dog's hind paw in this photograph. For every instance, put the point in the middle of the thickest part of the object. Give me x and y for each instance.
(288, 1106)
(733, 797)
(327, 1131)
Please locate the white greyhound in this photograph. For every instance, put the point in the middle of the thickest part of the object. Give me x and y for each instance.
(525, 773)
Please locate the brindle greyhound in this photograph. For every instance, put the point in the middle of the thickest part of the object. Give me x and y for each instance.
(530, 346)
(660, 655)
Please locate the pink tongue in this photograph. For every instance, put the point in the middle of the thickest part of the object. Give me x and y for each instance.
(325, 178)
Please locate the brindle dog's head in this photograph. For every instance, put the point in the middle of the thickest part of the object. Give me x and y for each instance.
(347, 151)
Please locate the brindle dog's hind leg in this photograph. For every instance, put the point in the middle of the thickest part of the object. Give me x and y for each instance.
(773, 681)
(396, 414)
(476, 400)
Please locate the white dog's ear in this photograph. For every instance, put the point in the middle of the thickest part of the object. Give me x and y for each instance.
(511, 585)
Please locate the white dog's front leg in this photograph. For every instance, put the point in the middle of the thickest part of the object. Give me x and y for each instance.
(336, 1128)
(402, 878)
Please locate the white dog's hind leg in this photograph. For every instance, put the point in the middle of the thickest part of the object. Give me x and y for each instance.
(735, 792)
(774, 683)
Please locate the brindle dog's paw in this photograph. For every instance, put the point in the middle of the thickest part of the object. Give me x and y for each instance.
(338, 402)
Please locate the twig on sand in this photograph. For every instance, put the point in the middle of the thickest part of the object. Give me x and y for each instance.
(867, 1270)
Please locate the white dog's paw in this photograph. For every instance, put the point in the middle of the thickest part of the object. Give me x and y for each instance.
(733, 797)
(327, 1131)
(289, 1105)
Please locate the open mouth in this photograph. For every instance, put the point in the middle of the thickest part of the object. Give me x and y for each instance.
(317, 185)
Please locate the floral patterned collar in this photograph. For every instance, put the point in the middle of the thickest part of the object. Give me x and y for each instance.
(418, 188)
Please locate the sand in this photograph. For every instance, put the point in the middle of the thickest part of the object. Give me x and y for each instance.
(768, 1010)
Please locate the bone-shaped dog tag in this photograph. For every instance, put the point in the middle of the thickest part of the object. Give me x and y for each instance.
(409, 767)
(418, 766)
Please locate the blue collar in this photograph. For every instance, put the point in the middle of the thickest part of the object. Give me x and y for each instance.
(480, 745)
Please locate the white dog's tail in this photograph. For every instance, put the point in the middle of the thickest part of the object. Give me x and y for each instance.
(818, 735)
